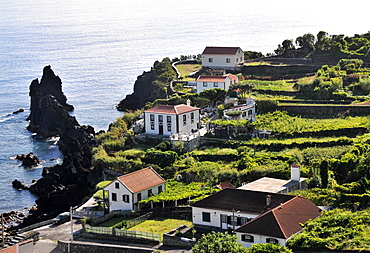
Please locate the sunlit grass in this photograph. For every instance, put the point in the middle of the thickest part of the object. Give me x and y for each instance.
(160, 225)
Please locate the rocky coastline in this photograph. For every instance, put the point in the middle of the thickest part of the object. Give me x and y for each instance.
(67, 184)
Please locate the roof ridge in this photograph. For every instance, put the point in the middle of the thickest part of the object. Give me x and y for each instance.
(278, 221)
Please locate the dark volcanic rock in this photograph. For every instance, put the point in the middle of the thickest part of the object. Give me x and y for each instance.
(19, 185)
(28, 160)
(50, 85)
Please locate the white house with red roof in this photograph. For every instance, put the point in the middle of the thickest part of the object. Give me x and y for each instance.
(127, 190)
(222, 57)
(172, 119)
(211, 82)
(255, 216)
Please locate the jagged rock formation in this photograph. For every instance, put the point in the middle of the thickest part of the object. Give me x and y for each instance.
(29, 159)
(144, 91)
(50, 84)
(64, 185)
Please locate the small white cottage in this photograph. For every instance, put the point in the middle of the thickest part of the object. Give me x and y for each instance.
(247, 110)
(172, 119)
(127, 190)
(211, 82)
(222, 57)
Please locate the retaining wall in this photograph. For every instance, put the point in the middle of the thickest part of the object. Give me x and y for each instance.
(83, 247)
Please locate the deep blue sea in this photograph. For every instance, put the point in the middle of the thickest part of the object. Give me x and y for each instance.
(98, 48)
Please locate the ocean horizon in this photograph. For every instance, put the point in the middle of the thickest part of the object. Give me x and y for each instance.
(98, 48)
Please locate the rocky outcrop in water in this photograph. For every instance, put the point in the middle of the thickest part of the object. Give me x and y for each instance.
(29, 159)
(65, 185)
(50, 84)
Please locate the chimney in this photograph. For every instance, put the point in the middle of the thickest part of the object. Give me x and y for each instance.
(188, 102)
(268, 200)
(295, 172)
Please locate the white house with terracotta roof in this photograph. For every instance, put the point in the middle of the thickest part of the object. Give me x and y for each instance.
(279, 224)
(127, 190)
(172, 119)
(210, 82)
(222, 57)
(256, 217)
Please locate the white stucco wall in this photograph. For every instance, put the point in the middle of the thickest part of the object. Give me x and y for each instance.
(246, 109)
(120, 204)
(257, 239)
(219, 61)
(216, 217)
(175, 119)
(210, 85)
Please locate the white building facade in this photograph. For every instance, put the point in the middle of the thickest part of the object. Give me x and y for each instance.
(126, 191)
(248, 110)
(222, 57)
(211, 82)
(169, 119)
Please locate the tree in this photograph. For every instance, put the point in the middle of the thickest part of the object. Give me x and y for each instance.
(322, 41)
(217, 242)
(306, 41)
(214, 95)
(268, 248)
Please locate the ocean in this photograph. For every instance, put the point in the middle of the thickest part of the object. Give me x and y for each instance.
(98, 48)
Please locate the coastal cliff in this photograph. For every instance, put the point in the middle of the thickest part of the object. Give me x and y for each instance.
(149, 86)
(65, 185)
(50, 84)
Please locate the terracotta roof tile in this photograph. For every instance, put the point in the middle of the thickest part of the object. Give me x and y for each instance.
(172, 109)
(221, 50)
(225, 185)
(284, 220)
(141, 179)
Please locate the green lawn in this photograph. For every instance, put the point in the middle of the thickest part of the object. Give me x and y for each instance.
(160, 225)
(186, 69)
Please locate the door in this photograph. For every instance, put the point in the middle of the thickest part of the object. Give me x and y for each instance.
(160, 130)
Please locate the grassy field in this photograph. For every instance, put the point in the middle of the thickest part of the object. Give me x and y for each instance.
(160, 225)
(186, 69)
(280, 85)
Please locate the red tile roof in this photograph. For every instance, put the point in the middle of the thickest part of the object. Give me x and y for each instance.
(225, 185)
(284, 220)
(221, 50)
(172, 109)
(142, 179)
(10, 249)
(218, 79)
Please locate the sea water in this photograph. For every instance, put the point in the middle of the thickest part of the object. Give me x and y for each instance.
(98, 48)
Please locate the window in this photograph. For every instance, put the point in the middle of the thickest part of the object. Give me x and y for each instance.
(169, 128)
(244, 114)
(160, 189)
(116, 185)
(126, 198)
(223, 218)
(138, 197)
(168, 119)
(227, 60)
(206, 216)
(272, 240)
(152, 125)
(184, 119)
(215, 84)
(204, 84)
(150, 192)
(160, 118)
(192, 117)
(241, 58)
(114, 196)
(210, 60)
(237, 59)
(247, 238)
(151, 117)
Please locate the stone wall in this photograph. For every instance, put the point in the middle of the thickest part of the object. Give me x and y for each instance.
(86, 247)
(171, 240)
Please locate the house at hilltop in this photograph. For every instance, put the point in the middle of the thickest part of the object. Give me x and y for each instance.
(172, 119)
(243, 211)
(127, 190)
(229, 58)
(210, 82)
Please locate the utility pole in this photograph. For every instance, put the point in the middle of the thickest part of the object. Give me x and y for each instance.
(2, 230)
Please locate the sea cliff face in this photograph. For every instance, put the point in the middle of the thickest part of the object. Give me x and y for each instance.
(64, 185)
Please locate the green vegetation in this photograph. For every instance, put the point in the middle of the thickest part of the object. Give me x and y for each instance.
(218, 243)
(160, 225)
(337, 229)
(186, 69)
